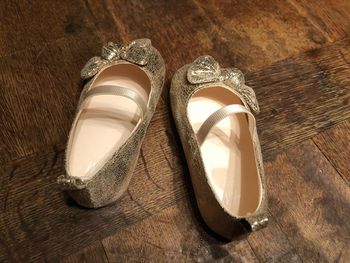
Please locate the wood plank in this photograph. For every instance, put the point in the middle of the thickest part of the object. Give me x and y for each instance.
(335, 145)
(178, 29)
(330, 17)
(247, 34)
(311, 203)
(257, 33)
(174, 235)
(302, 95)
(40, 88)
(106, 23)
(179, 234)
(289, 258)
(93, 253)
(31, 24)
(271, 244)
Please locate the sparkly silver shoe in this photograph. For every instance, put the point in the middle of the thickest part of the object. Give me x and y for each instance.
(115, 108)
(213, 112)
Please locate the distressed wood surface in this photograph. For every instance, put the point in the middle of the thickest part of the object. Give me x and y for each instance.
(175, 235)
(262, 33)
(27, 24)
(311, 203)
(331, 18)
(302, 95)
(297, 56)
(335, 145)
(92, 253)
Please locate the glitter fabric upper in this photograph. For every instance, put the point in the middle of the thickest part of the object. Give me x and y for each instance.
(203, 73)
(112, 180)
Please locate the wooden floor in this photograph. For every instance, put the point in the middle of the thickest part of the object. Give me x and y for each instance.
(296, 55)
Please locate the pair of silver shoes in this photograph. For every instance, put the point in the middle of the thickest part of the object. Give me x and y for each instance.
(213, 111)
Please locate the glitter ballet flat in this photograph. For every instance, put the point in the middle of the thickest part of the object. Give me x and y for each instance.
(115, 108)
(213, 112)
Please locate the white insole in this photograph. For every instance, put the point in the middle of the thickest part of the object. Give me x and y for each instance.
(228, 156)
(104, 125)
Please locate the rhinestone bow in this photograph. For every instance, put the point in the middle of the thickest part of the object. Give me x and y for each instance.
(205, 70)
(137, 52)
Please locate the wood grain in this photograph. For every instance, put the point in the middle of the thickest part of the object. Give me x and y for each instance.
(248, 34)
(311, 203)
(297, 57)
(257, 34)
(335, 145)
(178, 29)
(271, 244)
(30, 24)
(178, 234)
(303, 95)
(330, 17)
(40, 88)
(174, 235)
(93, 253)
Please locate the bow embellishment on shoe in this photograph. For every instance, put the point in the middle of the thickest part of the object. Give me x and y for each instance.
(137, 52)
(205, 70)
